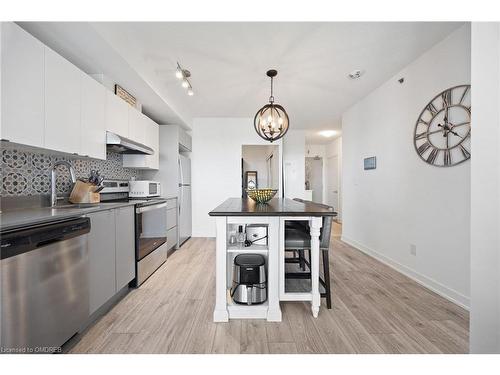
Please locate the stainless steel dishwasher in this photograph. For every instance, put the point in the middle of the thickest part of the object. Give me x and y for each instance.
(44, 285)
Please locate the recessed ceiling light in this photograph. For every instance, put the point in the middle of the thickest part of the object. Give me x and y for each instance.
(355, 74)
(327, 133)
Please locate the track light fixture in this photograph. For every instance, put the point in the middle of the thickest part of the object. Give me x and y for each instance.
(183, 75)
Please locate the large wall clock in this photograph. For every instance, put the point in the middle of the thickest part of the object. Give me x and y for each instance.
(442, 131)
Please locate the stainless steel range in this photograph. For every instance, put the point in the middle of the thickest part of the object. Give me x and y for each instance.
(150, 228)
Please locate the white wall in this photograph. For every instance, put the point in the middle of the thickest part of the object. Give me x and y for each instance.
(276, 170)
(406, 201)
(485, 190)
(313, 150)
(216, 164)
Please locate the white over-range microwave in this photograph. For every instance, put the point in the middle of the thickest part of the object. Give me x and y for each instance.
(144, 189)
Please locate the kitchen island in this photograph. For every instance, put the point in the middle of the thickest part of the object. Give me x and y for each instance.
(243, 211)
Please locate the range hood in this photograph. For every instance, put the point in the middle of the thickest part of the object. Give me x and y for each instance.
(117, 143)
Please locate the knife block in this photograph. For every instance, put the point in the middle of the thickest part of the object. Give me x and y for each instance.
(83, 192)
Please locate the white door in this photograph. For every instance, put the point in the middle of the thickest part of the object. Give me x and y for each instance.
(332, 182)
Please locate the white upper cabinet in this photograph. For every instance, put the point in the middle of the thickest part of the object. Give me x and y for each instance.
(62, 104)
(93, 127)
(137, 127)
(22, 62)
(117, 115)
(152, 139)
(48, 102)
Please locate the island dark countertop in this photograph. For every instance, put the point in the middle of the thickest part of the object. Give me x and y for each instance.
(275, 207)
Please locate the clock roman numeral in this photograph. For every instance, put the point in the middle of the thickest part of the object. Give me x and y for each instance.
(465, 152)
(423, 147)
(447, 157)
(464, 94)
(432, 156)
(432, 109)
(421, 136)
(446, 97)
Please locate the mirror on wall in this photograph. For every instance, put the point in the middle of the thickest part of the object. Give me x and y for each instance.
(314, 179)
(260, 168)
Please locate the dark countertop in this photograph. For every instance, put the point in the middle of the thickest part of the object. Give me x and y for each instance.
(275, 207)
(16, 218)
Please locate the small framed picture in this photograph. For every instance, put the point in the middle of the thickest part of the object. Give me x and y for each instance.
(125, 95)
(370, 163)
(251, 180)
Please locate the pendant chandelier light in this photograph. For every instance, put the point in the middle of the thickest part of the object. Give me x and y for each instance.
(271, 121)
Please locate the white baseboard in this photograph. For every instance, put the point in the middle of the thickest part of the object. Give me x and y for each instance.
(448, 293)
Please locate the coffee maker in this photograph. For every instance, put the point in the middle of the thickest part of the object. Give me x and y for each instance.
(249, 279)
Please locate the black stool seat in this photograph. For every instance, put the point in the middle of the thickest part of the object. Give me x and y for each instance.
(297, 224)
(298, 240)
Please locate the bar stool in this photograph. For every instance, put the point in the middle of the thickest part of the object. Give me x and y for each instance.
(298, 240)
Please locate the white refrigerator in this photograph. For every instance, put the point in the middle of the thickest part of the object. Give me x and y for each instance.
(184, 199)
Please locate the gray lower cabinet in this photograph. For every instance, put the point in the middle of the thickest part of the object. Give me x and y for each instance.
(125, 246)
(172, 223)
(111, 243)
(101, 242)
(171, 238)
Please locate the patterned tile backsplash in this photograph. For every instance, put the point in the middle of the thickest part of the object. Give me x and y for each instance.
(28, 172)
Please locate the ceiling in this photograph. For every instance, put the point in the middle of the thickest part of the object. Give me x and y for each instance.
(228, 62)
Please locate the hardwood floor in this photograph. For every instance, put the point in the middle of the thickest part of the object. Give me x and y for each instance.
(375, 310)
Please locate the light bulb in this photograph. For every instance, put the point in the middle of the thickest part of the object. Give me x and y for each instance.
(269, 118)
(178, 73)
(190, 92)
(185, 84)
(280, 121)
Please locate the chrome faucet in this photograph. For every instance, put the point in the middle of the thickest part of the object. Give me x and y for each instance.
(53, 176)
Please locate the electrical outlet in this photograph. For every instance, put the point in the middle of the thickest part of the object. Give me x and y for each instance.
(413, 249)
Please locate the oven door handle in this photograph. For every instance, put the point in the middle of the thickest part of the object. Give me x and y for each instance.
(151, 207)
